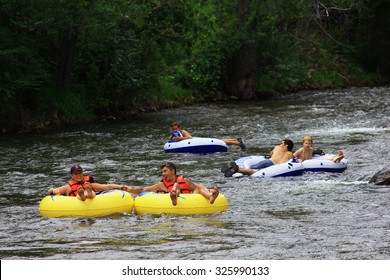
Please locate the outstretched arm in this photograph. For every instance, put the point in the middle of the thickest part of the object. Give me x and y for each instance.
(154, 188)
(105, 187)
(63, 190)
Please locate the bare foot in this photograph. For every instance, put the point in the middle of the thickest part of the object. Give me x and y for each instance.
(214, 195)
(173, 196)
(89, 192)
(339, 157)
(81, 193)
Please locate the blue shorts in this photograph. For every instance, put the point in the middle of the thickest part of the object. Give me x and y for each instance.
(262, 164)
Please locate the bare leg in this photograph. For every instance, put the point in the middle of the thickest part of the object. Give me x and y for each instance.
(231, 141)
(246, 171)
(339, 157)
(209, 194)
(237, 142)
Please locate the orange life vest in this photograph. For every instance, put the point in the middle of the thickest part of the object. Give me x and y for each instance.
(74, 185)
(184, 188)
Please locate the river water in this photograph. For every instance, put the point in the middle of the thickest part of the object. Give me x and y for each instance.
(314, 216)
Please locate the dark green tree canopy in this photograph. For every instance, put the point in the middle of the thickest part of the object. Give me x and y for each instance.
(62, 61)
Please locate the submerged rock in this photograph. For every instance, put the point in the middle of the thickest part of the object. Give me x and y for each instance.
(382, 177)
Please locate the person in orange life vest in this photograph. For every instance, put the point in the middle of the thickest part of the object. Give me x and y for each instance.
(81, 186)
(174, 185)
(179, 134)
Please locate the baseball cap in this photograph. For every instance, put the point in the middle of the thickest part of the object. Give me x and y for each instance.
(75, 168)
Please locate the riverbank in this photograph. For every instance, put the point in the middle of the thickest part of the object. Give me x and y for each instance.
(53, 122)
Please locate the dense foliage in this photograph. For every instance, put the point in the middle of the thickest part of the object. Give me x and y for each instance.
(63, 62)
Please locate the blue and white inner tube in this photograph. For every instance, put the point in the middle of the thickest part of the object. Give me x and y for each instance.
(293, 167)
(325, 164)
(197, 145)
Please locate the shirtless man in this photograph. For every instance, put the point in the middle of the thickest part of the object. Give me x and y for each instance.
(175, 184)
(280, 154)
(179, 134)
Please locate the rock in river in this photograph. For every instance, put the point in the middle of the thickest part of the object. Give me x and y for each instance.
(382, 177)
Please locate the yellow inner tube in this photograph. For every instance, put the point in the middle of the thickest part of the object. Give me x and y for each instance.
(187, 204)
(105, 204)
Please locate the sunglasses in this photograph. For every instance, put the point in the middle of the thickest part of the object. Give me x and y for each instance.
(170, 165)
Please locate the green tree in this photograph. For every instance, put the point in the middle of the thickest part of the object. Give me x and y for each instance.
(66, 61)
(371, 37)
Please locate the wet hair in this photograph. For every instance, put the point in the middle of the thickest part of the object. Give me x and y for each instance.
(170, 165)
(289, 143)
(307, 138)
(176, 123)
